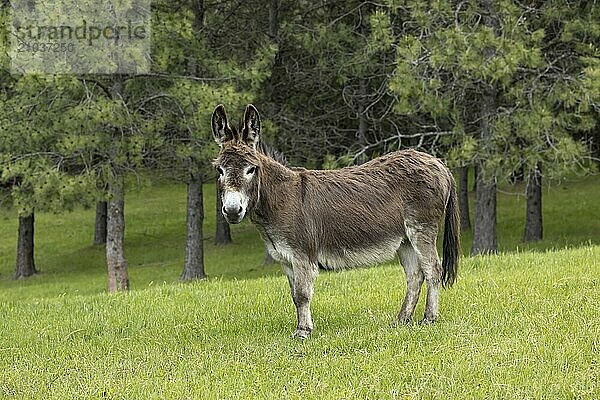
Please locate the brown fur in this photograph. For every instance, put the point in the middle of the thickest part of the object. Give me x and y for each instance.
(334, 209)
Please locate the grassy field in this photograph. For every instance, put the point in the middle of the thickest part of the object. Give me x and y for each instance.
(523, 324)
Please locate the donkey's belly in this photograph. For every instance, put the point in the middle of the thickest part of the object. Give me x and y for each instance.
(337, 258)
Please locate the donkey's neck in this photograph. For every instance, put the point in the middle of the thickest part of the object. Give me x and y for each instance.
(276, 184)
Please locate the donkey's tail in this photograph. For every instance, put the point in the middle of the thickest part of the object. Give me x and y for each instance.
(451, 248)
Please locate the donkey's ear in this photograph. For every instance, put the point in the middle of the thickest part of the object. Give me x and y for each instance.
(251, 132)
(220, 127)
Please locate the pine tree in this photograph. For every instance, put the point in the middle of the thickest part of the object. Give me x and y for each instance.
(511, 81)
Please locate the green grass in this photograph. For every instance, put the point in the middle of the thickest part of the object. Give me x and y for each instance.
(515, 326)
(523, 324)
(155, 245)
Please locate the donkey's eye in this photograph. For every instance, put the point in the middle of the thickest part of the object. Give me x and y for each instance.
(251, 171)
(220, 171)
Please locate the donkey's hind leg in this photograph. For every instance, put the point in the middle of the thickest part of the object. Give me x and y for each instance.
(414, 281)
(432, 269)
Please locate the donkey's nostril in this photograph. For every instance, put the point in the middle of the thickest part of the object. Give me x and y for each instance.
(232, 210)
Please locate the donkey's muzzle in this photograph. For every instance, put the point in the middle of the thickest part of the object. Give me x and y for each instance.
(233, 214)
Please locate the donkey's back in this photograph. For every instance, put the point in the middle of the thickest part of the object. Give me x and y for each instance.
(363, 214)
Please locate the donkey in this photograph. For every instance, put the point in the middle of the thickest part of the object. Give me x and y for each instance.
(359, 215)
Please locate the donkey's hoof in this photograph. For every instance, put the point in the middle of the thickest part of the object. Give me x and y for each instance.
(400, 322)
(428, 320)
(301, 333)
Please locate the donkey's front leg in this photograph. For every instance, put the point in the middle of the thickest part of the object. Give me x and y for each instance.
(303, 277)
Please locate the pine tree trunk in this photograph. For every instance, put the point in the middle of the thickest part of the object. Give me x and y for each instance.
(484, 230)
(362, 119)
(223, 232)
(100, 224)
(484, 225)
(463, 198)
(118, 278)
(198, 10)
(193, 264)
(194, 246)
(533, 215)
(273, 18)
(25, 265)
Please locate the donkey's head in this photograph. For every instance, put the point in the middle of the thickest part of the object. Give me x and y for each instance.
(237, 164)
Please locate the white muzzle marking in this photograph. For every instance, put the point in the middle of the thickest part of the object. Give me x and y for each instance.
(234, 206)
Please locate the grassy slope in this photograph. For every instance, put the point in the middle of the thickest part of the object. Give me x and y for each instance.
(517, 325)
